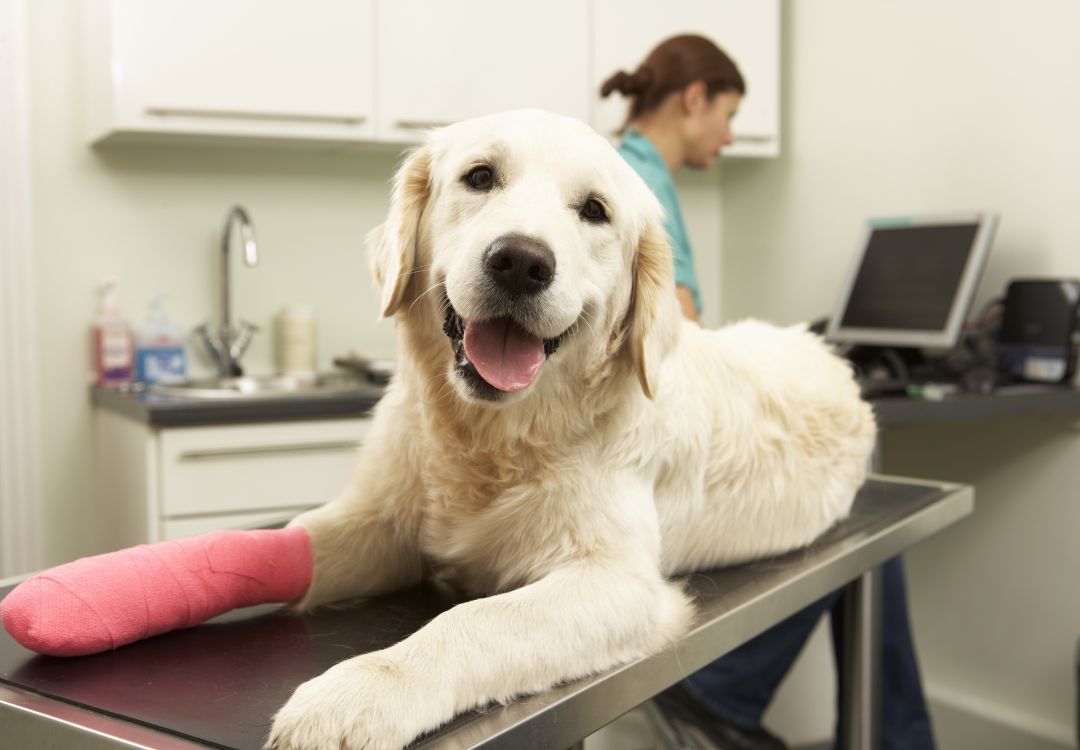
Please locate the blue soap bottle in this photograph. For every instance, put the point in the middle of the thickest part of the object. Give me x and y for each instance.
(159, 348)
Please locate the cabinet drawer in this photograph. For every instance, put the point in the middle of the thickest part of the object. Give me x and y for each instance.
(247, 468)
(184, 527)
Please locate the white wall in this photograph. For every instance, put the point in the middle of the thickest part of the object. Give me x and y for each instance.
(19, 425)
(152, 216)
(901, 107)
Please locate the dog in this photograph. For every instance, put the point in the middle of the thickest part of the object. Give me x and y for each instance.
(558, 441)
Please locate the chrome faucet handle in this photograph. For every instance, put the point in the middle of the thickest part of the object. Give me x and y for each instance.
(211, 343)
(243, 339)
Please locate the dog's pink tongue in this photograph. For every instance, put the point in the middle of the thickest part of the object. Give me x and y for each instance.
(506, 356)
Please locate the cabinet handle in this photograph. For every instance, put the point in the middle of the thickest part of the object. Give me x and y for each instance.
(754, 138)
(224, 114)
(420, 124)
(199, 455)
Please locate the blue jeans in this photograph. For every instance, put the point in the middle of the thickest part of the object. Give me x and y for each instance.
(738, 687)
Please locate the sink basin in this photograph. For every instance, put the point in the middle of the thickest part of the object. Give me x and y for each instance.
(262, 387)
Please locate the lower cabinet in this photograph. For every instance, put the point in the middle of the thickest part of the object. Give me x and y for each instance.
(157, 484)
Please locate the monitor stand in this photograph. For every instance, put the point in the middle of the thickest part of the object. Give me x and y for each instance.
(886, 369)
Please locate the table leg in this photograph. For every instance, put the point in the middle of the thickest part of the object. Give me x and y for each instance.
(859, 701)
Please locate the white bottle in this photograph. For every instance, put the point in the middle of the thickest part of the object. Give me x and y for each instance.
(296, 341)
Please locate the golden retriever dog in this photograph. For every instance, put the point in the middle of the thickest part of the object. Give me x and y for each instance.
(558, 440)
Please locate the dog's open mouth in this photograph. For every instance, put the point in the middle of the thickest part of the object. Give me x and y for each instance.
(497, 355)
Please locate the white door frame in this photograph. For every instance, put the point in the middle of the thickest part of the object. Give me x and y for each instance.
(20, 483)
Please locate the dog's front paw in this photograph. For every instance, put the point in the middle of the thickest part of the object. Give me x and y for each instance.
(369, 702)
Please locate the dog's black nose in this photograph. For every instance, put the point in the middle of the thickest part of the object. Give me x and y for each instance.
(520, 265)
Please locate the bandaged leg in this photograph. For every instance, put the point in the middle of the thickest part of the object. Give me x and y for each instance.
(104, 602)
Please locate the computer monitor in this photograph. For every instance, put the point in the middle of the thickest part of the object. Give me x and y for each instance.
(913, 281)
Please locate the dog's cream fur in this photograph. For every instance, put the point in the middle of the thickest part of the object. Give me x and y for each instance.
(647, 446)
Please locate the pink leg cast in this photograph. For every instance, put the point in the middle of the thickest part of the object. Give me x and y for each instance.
(104, 602)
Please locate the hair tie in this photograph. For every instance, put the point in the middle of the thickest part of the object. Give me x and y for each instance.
(641, 80)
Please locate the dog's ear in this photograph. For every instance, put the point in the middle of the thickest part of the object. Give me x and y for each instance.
(652, 322)
(392, 245)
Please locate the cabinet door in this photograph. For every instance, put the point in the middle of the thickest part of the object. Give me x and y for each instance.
(440, 62)
(243, 67)
(256, 468)
(748, 30)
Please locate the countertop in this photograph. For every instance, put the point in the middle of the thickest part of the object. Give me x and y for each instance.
(1004, 401)
(891, 411)
(170, 411)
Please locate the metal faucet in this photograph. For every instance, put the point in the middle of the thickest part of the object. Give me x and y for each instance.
(225, 348)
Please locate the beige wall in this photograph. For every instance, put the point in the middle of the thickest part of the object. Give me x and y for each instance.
(152, 215)
(903, 107)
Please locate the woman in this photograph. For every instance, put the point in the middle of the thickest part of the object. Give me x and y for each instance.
(682, 99)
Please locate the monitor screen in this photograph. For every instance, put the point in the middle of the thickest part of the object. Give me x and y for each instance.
(914, 280)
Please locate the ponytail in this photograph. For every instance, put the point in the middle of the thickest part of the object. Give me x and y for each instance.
(628, 84)
(672, 66)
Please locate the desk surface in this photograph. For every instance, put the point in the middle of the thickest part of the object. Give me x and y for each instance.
(217, 685)
(1007, 401)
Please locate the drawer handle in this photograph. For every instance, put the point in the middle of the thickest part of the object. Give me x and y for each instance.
(420, 124)
(224, 114)
(267, 450)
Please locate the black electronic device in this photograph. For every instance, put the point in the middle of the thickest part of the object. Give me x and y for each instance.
(909, 292)
(1040, 330)
(913, 281)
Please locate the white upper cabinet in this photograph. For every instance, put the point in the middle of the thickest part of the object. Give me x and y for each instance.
(439, 62)
(748, 30)
(251, 68)
(351, 71)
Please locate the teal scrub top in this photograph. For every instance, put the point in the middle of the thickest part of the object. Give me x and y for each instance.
(641, 154)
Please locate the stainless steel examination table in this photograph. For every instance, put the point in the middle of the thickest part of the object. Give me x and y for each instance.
(217, 685)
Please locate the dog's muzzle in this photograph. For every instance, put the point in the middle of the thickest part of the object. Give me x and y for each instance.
(497, 353)
(496, 356)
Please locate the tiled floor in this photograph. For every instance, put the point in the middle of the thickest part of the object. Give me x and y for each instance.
(634, 732)
(630, 732)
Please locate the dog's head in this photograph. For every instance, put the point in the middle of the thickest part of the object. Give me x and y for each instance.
(532, 242)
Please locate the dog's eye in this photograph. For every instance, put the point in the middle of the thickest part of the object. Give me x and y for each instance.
(480, 178)
(593, 211)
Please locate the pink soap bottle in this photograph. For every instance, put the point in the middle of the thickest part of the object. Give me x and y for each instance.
(112, 345)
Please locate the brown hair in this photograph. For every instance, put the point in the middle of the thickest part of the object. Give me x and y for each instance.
(673, 65)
